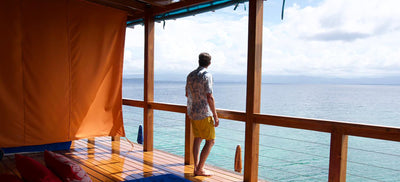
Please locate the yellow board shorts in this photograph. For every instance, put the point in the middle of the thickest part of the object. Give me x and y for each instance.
(204, 128)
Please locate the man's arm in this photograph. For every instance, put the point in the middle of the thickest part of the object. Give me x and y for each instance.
(186, 89)
(211, 103)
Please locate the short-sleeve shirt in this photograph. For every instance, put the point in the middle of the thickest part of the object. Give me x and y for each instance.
(198, 85)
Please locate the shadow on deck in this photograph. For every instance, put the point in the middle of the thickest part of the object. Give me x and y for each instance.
(106, 160)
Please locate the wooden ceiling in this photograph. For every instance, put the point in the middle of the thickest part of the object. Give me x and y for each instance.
(136, 8)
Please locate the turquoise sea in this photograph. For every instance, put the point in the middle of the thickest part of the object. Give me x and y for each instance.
(285, 154)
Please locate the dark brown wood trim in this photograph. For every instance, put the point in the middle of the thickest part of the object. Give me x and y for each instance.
(189, 138)
(231, 115)
(348, 128)
(134, 103)
(253, 95)
(148, 123)
(338, 157)
(168, 107)
(177, 5)
(354, 129)
(122, 4)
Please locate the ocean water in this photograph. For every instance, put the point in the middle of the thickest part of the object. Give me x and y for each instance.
(285, 154)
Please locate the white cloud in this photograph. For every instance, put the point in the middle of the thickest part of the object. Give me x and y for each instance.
(134, 53)
(333, 38)
(337, 38)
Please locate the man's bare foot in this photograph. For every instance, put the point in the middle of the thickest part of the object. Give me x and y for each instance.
(202, 173)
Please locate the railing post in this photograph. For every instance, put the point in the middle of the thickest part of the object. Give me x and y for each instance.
(338, 157)
(148, 80)
(91, 140)
(254, 55)
(115, 138)
(188, 141)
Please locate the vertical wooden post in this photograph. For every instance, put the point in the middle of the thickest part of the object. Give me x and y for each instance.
(188, 142)
(115, 138)
(148, 80)
(115, 147)
(254, 55)
(91, 140)
(338, 157)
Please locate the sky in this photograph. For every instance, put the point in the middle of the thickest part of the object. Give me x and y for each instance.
(319, 38)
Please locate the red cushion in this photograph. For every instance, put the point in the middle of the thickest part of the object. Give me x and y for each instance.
(9, 178)
(65, 168)
(32, 171)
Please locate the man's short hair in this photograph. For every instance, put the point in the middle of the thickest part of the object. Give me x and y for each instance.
(204, 59)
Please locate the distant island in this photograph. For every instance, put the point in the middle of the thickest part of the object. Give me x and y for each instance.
(281, 79)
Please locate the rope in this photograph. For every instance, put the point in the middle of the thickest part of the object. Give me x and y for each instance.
(130, 142)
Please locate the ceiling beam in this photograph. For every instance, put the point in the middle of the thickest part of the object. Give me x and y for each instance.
(135, 16)
(131, 6)
(177, 5)
(157, 2)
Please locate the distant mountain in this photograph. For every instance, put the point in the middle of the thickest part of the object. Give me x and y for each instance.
(331, 80)
(279, 79)
(299, 79)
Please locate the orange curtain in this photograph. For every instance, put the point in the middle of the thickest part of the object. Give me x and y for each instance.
(60, 71)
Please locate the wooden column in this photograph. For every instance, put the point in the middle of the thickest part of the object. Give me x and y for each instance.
(188, 142)
(91, 140)
(254, 55)
(115, 138)
(148, 80)
(338, 157)
(115, 148)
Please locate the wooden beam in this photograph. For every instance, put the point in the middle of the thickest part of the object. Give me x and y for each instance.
(122, 4)
(135, 16)
(189, 138)
(222, 113)
(168, 107)
(291, 122)
(177, 5)
(253, 97)
(134, 103)
(116, 147)
(348, 128)
(338, 157)
(115, 138)
(138, 6)
(107, 3)
(158, 2)
(148, 80)
(91, 140)
(354, 129)
(231, 115)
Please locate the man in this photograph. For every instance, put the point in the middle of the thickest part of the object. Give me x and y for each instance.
(201, 111)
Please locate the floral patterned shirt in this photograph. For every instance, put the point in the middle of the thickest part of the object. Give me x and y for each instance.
(198, 85)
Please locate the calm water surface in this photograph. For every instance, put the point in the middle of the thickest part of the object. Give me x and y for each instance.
(285, 154)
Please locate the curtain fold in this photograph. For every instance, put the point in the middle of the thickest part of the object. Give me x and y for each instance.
(61, 71)
(11, 76)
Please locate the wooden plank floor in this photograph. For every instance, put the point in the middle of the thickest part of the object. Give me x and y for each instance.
(106, 160)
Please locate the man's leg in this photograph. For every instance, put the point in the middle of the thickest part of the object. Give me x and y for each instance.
(203, 157)
(196, 150)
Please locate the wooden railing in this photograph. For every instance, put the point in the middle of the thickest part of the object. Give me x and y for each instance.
(339, 132)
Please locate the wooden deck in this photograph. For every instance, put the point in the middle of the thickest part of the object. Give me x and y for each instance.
(106, 160)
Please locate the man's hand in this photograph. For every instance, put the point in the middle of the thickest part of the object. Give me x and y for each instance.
(216, 121)
(211, 103)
